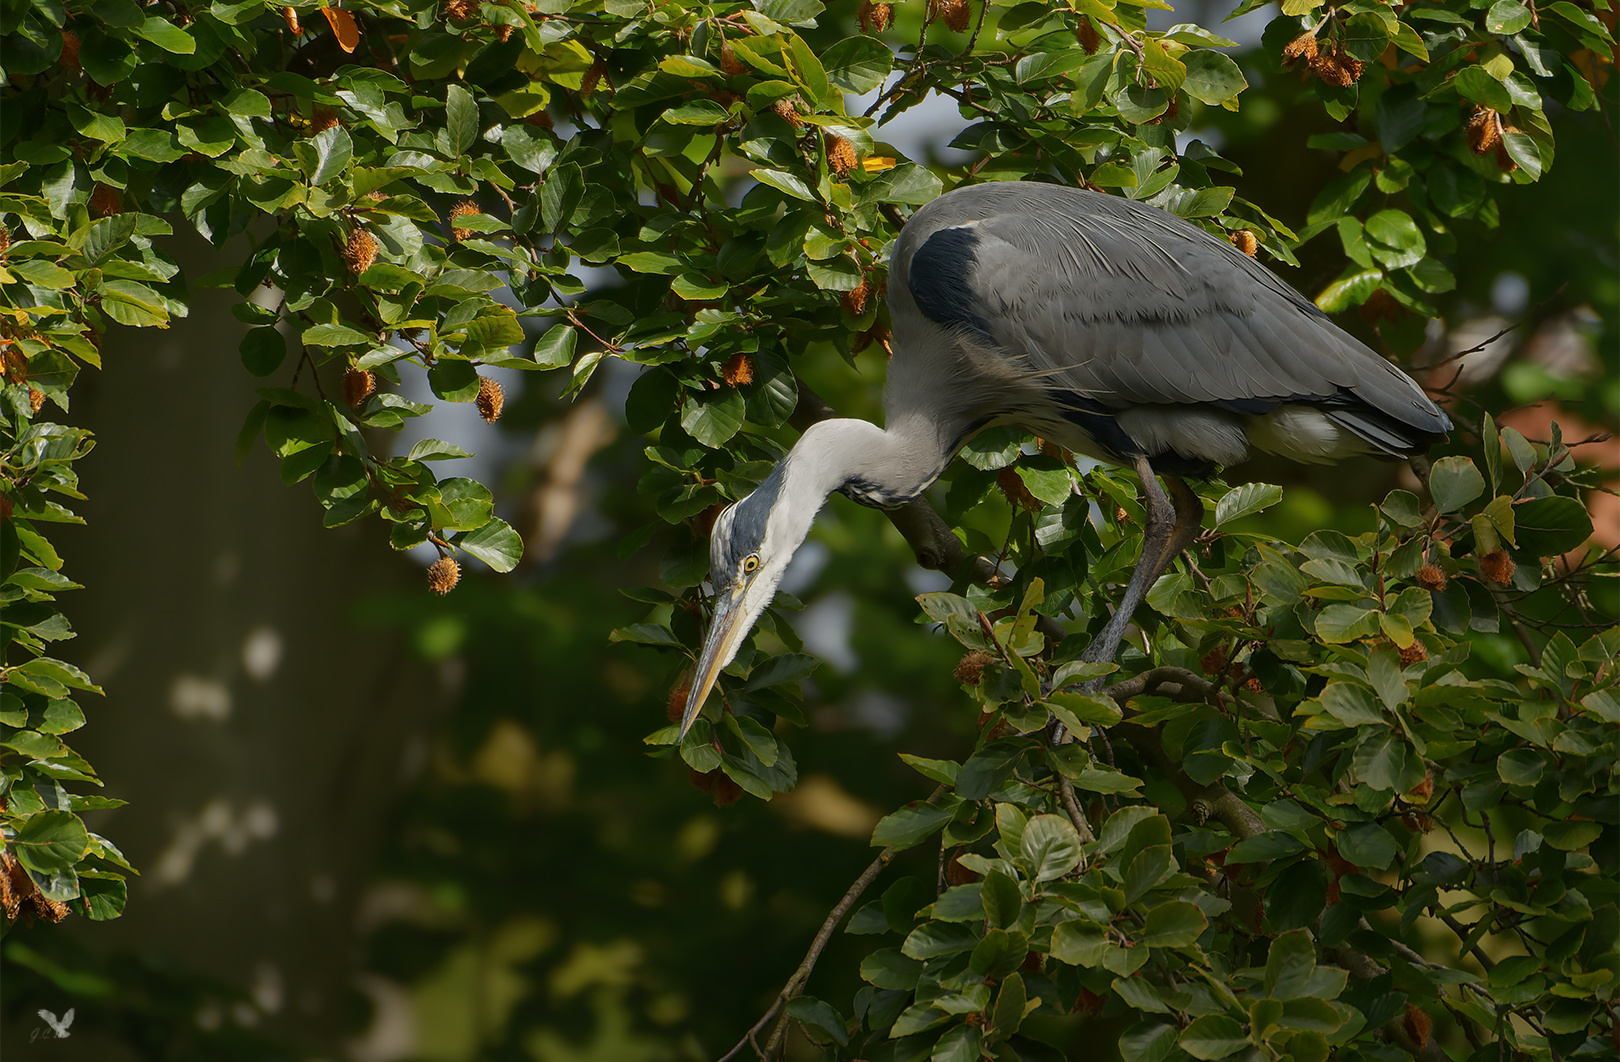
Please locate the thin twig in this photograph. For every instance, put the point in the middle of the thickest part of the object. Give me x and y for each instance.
(802, 974)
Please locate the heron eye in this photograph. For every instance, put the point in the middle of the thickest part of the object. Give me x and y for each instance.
(751, 562)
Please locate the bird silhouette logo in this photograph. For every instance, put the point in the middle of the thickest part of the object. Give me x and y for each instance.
(58, 1029)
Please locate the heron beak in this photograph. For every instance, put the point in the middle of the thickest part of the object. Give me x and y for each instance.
(728, 628)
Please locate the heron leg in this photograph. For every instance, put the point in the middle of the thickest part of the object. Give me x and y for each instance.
(1173, 521)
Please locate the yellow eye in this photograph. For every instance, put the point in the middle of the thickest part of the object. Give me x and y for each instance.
(751, 562)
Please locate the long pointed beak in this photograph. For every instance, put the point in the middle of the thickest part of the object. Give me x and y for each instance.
(726, 630)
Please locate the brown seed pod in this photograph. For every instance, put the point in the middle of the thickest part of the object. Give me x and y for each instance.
(1301, 47)
(5, 242)
(739, 370)
(971, 667)
(358, 384)
(593, 77)
(1245, 241)
(106, 201)
(957, 874)
(1414, 653)
(290, 16)
(1380, 306)
(462, 10)
(1418, 1025)
(1172, 111)
(1214, 661)
(12, 883)
(872, 16)
(1497, 566)
(491, 400)
(957, 15)
(789, 108)
(1087, 35)
(725, 791)
(36, 400)
(5, 507)
(729, 61)
(1252, 685)
(855, 300)
(443, 575)
(1484, 130)
(541, 118)
(322, 119)
(13, 363)
(1424, 789)
(70, 52)
(1430, 577)
(1012, 487)
(459, 211)
(841, 156)
(503, 32)
(1504, 161)
(360, 252)
(675, 705)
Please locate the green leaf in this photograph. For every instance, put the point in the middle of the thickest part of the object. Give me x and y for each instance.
(784, 182)
(911, 825)
(1454, 482)
(907, 183)
(1011, 1005)
(166, 35)
(1385, 762)
(1213, 1036)
(1365, 36)
(1549, 527)
(263, 350)
(1368, 846)
(331, 335)
(454, 380)
(461, 120)
(1084, 709)
(1246, 500)
(713, 417)
(933, 939)
(50, 842)
(333, 150)
(890, 968)
(1212, 77)
(1289, 966)
(1507, 17)
(813, 1012)
(556, 348)
(1177, 924)
(858, 64)
(1474, 83)
(1001, 899)
(961, 1044)
(1339, 624)
(495, 543)
(1395, 240)
(1151, 866)
(1050, 847)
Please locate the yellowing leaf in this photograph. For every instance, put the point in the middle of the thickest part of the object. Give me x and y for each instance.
(342, 23)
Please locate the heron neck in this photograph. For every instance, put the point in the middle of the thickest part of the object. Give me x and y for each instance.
(883, 468)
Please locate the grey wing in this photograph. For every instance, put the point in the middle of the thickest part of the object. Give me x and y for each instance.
(1123, 305)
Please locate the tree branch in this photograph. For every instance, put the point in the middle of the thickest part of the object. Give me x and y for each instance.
(796, 983)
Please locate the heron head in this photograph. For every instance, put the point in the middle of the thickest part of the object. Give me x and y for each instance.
(749, 550)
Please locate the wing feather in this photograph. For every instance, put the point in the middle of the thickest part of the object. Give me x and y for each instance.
(1129, 306)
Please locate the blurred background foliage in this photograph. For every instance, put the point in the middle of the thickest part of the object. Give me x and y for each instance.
(379, 824)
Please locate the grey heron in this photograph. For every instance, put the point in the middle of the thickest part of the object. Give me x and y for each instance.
(1110, 327)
